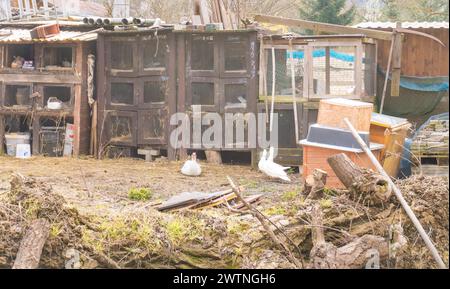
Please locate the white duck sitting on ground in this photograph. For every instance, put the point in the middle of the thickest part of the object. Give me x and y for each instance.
(274, 170)
(191, 167)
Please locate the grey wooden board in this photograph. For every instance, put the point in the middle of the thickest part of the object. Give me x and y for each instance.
(187, 198)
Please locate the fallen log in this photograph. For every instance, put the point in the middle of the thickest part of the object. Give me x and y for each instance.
(364, 251)
(371, 187)
(31, 246)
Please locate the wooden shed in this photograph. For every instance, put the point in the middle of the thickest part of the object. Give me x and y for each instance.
(136, 88)
(424, 70)
(32, 71)
(420, 56)
(217, 72)
(306, 69)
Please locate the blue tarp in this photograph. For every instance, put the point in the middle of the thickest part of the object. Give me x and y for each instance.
(321, 53)
(428, 84)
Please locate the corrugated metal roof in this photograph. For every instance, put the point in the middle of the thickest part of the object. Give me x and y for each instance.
(23, 35)
(410, 25)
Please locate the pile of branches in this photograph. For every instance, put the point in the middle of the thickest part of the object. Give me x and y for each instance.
(334, 230)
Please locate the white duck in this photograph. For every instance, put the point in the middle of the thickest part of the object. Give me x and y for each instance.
(267, 166)
(191, 167)
(270, 159)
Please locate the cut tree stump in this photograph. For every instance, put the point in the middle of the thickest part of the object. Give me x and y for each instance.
(315, 183)
(363, 184)
(31, 246)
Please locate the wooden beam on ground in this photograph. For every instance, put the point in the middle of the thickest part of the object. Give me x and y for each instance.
(323, 27)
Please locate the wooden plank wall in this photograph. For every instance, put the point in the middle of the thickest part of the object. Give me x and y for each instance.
(420, 56)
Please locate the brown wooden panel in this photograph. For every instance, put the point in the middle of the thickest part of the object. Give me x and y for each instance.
(152, 126)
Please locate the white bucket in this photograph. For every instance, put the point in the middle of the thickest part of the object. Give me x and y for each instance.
(13, 139)
(23, 151)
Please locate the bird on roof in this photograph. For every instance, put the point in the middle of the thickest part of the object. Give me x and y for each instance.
(191, 167)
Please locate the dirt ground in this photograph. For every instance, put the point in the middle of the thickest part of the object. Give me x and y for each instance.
(101, 186)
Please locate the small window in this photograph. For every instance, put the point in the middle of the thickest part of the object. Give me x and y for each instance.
(235, 96)
(122, 93)
(121, 129)
(122, 56)
(235, 48)
(202, 52)
(61, 95)
(20, 56)
(284, 60)
(202, 93)
(57, 57)
(334, 71)
(155, 91)
(17, 96)
(155, 51)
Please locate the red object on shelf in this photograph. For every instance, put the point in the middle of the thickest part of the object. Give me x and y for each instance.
(45, 31)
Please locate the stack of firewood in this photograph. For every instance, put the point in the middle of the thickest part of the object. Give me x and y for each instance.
(216, 11)
(432, 140)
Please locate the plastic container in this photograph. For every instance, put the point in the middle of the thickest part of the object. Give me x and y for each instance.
(13, 139)
(23, 151)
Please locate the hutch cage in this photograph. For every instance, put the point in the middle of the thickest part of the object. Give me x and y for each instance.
(217, 72)
(136, 85)
(34, 71)
(311, 68)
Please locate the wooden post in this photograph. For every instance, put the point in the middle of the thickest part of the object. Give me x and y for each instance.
(396, 62)
(2, 134)
(386, 79)
(213, 157)
(327, 71)
(274, 79)
(294, 102)
(399, 196)
(31, 246)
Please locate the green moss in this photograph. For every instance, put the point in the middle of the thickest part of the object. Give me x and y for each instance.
(326, 203)
(251, 185)
(237, 227)
(55, 230)
(275, 211)
(32, 208)
(140, 194)
(180, 230)
(289, 195)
